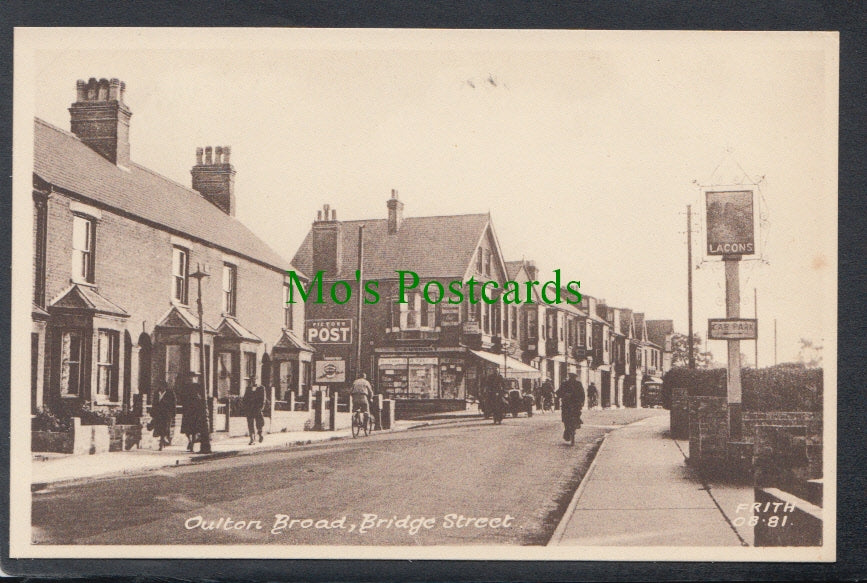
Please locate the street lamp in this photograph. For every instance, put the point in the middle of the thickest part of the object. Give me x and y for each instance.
(201, 273)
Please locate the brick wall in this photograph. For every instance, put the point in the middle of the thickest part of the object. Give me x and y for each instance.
(708, 429)
(806, 423)
(679, 414)
(133, 268)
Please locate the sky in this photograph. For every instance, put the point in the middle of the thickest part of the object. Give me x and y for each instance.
(585, 147)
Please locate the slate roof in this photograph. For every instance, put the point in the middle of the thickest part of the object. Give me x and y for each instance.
(292, 341)
(231, 328)
(84, 298)
(440, 246)
(64, 161)
(180, 317)
(657, 330)
(513, 267)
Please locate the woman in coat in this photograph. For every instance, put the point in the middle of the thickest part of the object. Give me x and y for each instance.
(191, 422)
(163, 413)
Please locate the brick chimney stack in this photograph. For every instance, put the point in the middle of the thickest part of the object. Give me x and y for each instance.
(214, 177)
(395, 213)
(100, 118)
(327, 242)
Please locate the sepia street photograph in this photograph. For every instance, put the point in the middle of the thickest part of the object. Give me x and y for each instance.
(424, 294)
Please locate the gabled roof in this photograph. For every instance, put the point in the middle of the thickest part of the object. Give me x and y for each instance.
(289, 340)
(430, 246)
(626, 323)
(513, 268)
(658, 330)
(86, 299)
(640, 329)
(181, 317)
(231, 328)
(64, 161)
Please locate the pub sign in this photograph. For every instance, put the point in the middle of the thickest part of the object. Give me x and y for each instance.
(730, 224)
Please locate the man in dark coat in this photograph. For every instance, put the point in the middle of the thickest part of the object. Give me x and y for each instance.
(571, 395)
(163, 413)
(252, 405)
(197, 427)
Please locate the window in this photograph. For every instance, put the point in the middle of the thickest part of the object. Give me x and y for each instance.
(230, 280)
(414, 314)
(582, 333)
(40, 217)
(71, 356)
(487, 262)
(106, 365)
(82, 249)
(531, 323)
(513, 316)
(287, 307)
(479, 260)
(180, 274)
(249, 369)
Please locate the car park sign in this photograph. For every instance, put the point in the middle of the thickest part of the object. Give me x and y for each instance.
(732, 329)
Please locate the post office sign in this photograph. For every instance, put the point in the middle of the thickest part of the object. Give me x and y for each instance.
(335, 331)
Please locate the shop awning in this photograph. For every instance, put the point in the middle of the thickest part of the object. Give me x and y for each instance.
(513, 368)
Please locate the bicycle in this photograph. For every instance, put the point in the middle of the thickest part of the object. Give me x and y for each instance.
(361, 421)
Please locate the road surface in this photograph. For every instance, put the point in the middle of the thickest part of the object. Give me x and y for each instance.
(463, 483)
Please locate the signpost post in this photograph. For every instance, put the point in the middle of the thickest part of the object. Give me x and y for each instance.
(731, 233)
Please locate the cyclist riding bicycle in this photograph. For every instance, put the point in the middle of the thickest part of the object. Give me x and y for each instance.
(361, 394)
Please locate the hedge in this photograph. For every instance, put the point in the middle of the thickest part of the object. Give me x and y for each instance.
(785, 387)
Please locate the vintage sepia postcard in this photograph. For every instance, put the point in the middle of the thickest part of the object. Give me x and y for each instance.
(424, 294)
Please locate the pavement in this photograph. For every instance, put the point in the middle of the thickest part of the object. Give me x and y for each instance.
(50, 468)
(639, 492)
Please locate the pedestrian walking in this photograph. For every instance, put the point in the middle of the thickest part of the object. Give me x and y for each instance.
(252, 404)
(191, 407)
(571, 395)
(547, 391)
(163, 413)
(498, 398)
(592, 395)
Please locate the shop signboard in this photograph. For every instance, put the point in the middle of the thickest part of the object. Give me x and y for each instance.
(329, 331)
(730, 224)
(331, 371)
(732, 329)
(450, 315)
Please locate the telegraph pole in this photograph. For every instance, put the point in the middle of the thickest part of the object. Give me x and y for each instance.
(689, 281)
(756, 316)
(360, 277)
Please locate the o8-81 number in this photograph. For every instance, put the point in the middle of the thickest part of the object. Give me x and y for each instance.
(773, 521)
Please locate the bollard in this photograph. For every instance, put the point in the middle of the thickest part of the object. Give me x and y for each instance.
(308, 398)
(377, 412)
(387, 414)
(319, 411)
(290, 397)
(332, 412)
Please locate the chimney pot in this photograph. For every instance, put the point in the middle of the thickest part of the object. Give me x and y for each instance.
(319, 215)
(227, 151)
(395, 213)
(199, 152)
(333, 214)
(208, 155)
(100, 119)
(218, 155)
